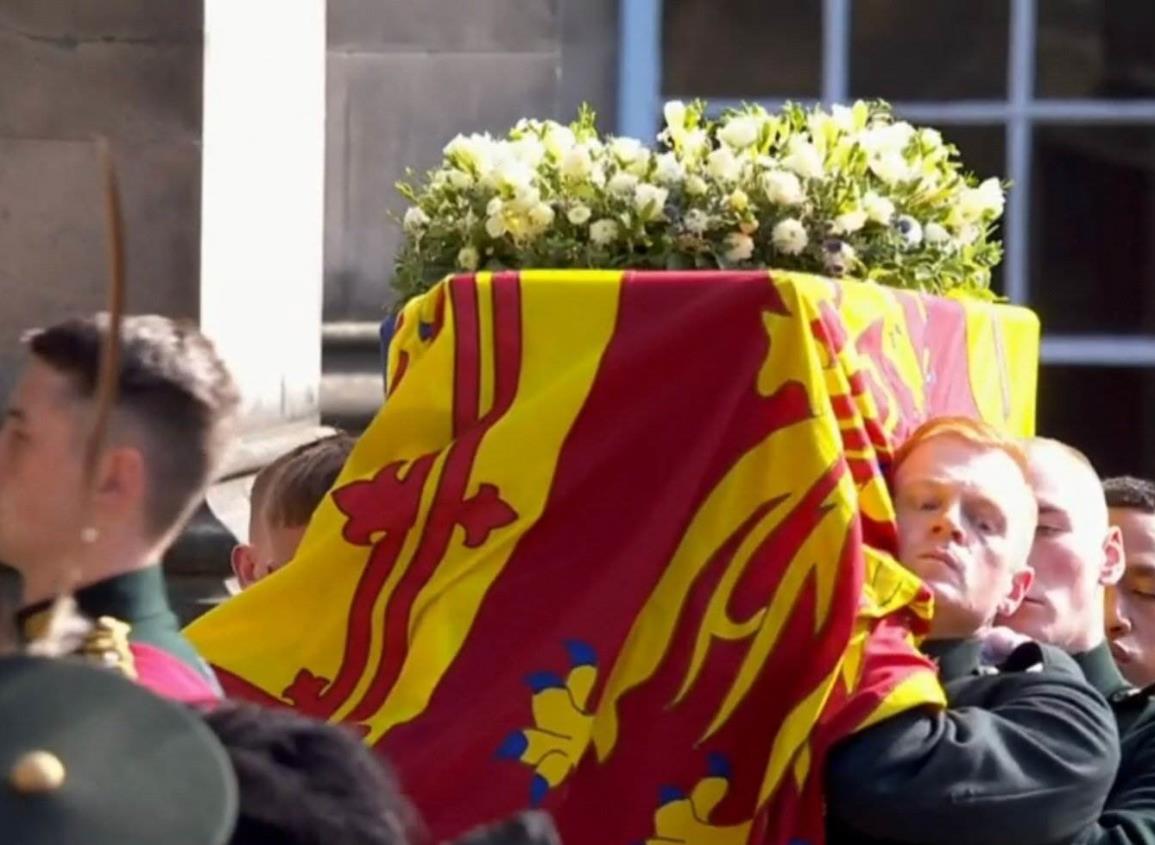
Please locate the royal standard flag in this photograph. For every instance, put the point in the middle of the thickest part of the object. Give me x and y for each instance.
(618, 545)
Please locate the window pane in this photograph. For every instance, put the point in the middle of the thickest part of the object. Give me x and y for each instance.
(742, 48)
(1115, 441)
(930, 49)
(1096, 48)
(1092, 225)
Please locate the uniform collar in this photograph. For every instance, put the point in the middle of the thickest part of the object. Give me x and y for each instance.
(955, 658)
(1101, 672)
(131, 596)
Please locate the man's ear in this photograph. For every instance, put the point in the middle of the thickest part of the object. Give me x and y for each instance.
(1114, 557)
(1021, 582)
(121, 481)
(244, 564)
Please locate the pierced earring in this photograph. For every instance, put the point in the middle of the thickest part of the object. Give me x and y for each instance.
(89, 535)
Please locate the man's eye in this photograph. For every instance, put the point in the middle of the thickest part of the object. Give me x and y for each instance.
(1047, 530)
(927, 504)
(1142, 594)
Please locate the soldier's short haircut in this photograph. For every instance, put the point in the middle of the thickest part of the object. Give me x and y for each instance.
(973, 431)
(288, 490)
(1129, 492)
(172, 389)
(303, 782)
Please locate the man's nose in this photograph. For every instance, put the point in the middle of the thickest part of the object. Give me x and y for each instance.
(948, 523)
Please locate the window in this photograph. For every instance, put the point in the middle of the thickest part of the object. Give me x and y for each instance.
(1057, 96)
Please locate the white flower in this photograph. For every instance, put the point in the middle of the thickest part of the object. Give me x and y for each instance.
(843, 117)
(669, 170)
(789, 236)
(782, 188)
(695, 143)
(577, 163)
(650, 201)
(415, 221)
(541, 216)
(475, 151)
(739, 247)
(696, 221)
(890, 167)
(579, 214)
(623, 183)
(675, 114)
(935, 234)
(803, 158)
(468, 258)
(627, 150)
(529, 151)
(603, 232)
(930, 138)
(460, 180)
(968, 234)
(559, 140)
(696, 186)
(837, 256)
(910, 229)
(849, 222)
(723, 165)
(739, 200)
(878, 209)
(495, 226)
(741, 131)
(512, 173)
(494, 207)
(881, 139)
(987, 198)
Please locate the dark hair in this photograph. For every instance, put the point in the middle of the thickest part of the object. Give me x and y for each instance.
(173, 388)
(1129, 492)
(291, 487)
(304, 782)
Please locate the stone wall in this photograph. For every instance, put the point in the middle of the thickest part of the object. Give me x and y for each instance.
(71, 69)
(407, 75)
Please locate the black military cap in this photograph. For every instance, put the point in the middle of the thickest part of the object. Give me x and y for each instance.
(87, 756)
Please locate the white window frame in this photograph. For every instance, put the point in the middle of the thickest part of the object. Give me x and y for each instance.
(640, 107)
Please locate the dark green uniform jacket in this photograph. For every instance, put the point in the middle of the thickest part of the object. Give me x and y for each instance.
(1024, 755)
(1129, 817)
(140, 600)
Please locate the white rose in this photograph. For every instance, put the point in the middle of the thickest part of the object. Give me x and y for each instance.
(650, 201)
(473, 151)
(910, 229)
(696, 186)
(623, 184)
(935, 234)
(541, 216)
(495, 226)
(803, 158)
(468, 258)
(878, 209)
(739, 247)
(782, 188)
(882, 139)
(990, 196)
(696, 221)
(723, 166)
(626, 150)
(789, 236)
(579, 214)
(741, 131)
(739, 201)
(603, 232)
(576, 163)
(930, 138)
(849, 222)
(843, 117)
(415, 221)
(669, 170)
(890, 167)
(494, 207)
